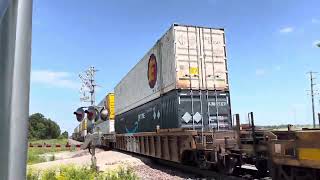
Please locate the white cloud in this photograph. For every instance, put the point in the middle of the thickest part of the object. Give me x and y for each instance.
(286, 30)
(260, 72)
(316, 43)
(315, 21)
(54, 79)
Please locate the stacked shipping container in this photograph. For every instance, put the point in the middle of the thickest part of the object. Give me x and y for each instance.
(181, 82)
(109, 105)
(106, 127)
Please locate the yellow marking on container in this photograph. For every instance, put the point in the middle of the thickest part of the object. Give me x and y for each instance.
(110, 105)
(193, 71)
(309, 153)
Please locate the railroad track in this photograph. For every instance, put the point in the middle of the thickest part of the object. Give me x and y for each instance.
(194, 170)
(240, 173)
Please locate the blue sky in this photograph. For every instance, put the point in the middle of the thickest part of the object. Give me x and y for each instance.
(270, 47)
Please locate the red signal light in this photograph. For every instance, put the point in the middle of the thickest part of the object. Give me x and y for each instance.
(92, 113)
(79, 114)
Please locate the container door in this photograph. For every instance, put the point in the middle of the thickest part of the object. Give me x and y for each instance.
(213, 59)
(219, 110)
(189, 110)
(188, 63)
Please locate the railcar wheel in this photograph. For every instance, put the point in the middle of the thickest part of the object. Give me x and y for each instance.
(188, 157)
(201, 160)
(226, 165)
(262, 166)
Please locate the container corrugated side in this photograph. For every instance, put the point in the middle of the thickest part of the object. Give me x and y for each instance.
(84, 124)
(134, 89)
(179, 109)
(200, 56)
(186, 57)
(105, 127)
(109, 104)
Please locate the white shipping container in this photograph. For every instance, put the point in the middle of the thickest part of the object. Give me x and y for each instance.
(105, 127)
(186, 57)
(83, 133)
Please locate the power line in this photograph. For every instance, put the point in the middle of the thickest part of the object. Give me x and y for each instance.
(312, 84)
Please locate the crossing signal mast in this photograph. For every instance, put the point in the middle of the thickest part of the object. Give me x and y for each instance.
(92, 113)
(88, 85)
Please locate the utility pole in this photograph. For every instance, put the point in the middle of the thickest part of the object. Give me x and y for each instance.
(15, 63)
(312, 96)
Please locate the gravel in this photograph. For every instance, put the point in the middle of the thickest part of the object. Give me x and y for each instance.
(156, 172)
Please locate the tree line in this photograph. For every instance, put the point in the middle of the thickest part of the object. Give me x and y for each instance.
(40, 127)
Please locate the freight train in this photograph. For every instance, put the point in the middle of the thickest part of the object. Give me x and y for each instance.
(101, 126)
(175, 105)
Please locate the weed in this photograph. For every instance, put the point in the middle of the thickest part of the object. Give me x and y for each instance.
(34, 152)
(80, 173)
(33, 175)
(120, 174)
(52, 158)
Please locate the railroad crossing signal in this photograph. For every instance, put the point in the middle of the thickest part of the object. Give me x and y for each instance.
(104, 114)
(79, 114)
(92, 113)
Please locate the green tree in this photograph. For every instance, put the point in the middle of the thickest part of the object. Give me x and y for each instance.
(65, 134)
(42, 128)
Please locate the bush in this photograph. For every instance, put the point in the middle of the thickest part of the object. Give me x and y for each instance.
(80, 173)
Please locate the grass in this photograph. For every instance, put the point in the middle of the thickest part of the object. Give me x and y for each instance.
(50, 141)
(80, 173)
(35, 152)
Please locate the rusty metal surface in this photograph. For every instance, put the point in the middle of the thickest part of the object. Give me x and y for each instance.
(184, 146)
(297, 148)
